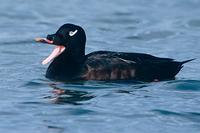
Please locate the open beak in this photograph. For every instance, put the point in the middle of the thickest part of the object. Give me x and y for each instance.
(56, 52)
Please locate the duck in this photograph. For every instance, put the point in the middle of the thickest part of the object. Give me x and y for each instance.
(69, 61)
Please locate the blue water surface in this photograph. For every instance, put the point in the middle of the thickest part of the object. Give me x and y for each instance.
(30, 103)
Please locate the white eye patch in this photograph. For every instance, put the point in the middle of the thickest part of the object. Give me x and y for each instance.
(72, 33)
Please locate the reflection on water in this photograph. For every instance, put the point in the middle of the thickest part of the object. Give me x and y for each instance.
(67, 96)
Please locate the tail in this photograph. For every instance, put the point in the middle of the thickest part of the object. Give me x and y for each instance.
(183, 62)
(179, 65)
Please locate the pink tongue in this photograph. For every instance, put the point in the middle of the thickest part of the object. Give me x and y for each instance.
(57, 51)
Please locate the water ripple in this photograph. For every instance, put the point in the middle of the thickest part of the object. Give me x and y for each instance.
(192, 116)
(18, 42)
(184, 85)
(151, 35)
(194, 23)
(118, 21)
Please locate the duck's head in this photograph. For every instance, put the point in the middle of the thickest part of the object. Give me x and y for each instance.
(69, 39)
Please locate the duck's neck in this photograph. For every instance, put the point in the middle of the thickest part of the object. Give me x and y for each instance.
(75, 52)
(69, 56)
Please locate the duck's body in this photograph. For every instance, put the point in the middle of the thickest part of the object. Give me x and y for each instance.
(73, 64)
(107, 65)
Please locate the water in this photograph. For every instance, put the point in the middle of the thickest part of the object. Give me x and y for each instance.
(30, 103)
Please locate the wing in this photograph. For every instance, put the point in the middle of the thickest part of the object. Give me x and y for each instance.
(106, 66)
(142, 66)
(150, 67)
(136, 57)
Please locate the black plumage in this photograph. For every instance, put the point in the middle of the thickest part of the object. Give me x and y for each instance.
(73, 64)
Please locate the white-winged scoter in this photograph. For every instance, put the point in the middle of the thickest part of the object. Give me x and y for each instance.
(69, 61)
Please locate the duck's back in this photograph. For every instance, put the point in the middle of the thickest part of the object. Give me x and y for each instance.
(106, 65)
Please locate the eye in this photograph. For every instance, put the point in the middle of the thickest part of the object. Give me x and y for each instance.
(72, 33)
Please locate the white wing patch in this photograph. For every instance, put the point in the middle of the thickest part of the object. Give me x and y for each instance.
(72, 33)
(127, 61)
